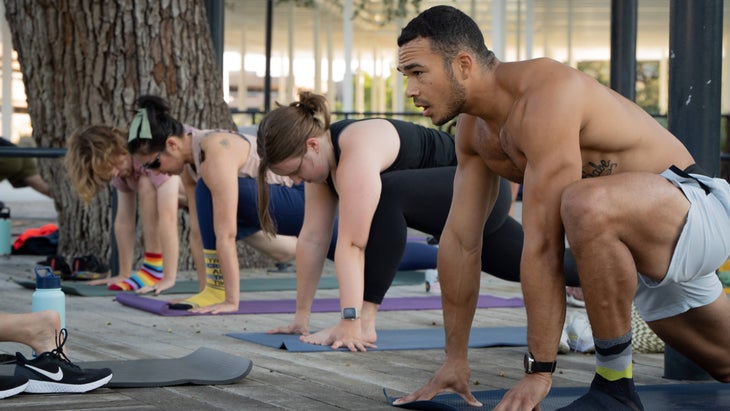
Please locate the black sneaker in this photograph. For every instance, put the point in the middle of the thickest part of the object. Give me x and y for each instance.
(88, 267)
(12, 384)
(53, 372)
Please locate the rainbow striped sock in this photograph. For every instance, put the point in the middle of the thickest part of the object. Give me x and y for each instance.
(149, 274)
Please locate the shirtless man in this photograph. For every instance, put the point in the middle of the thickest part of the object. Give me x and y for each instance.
(595, 167)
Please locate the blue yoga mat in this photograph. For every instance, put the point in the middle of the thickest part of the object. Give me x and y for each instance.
(419, 339)
(664, 397)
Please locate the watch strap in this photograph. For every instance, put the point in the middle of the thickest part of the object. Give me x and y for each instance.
(532, 366)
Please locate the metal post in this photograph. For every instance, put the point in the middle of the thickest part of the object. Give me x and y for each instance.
(623, 47)
(267, 75)
(695, 59)
(216, 21)
(695, 63)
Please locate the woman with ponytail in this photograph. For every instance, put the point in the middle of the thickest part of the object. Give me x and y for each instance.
(378, 177)
(219, 170)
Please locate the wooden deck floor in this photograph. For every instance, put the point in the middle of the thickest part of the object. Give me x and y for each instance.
(101, 329)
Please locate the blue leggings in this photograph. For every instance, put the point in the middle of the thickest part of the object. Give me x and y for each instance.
(286, 206)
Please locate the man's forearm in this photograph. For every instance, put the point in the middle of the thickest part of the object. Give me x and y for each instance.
(459, 277)
(544, 295)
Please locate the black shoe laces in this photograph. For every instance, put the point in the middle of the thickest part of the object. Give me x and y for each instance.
(58, 351)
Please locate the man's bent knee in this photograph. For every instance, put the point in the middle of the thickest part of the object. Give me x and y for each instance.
(582, 209)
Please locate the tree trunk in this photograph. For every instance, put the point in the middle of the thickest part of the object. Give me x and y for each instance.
(85, 62)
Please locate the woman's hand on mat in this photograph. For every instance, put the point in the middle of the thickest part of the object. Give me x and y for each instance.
(452, 376)
(300, 325)
(216, 308)
(162, 285)
(527, 394)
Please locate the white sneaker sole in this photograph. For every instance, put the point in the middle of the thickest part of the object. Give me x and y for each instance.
(45, 387)
(14, 391)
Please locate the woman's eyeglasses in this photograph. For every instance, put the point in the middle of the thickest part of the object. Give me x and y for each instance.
(154, 164)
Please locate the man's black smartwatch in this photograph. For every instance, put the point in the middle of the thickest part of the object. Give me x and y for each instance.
(532, 366)
(350, 313)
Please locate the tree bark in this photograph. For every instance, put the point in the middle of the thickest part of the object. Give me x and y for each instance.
(85, 62)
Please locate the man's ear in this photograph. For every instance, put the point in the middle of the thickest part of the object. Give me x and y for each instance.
(464, 64)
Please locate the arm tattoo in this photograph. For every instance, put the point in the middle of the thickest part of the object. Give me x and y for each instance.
(602, 168)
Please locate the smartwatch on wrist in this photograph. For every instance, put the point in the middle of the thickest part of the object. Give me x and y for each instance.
(350, 313)
(532, 366)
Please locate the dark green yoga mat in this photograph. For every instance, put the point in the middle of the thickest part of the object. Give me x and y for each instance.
(247, 284)
(205, 366)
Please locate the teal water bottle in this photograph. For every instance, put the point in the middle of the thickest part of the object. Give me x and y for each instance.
(48, 294)
(5, 231)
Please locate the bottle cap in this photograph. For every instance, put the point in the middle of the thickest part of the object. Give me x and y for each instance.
(45, 278)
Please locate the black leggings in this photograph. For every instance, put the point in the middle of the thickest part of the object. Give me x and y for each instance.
(420, 199)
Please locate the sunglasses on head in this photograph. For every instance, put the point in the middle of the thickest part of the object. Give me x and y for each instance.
(154, 164)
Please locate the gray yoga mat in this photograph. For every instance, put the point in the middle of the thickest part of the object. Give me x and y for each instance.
(205, 366)
(418, 339)
(247, 284)
(664, 397)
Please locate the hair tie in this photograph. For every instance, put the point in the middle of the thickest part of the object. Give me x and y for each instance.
(140, 127)
(319, 116)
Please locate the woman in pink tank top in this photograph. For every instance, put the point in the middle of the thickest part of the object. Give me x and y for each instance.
(98, 155)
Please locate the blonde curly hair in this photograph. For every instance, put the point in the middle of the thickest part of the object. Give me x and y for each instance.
(90, 151)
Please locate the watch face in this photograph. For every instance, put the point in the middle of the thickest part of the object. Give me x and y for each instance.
(532, 366)
(349, 313)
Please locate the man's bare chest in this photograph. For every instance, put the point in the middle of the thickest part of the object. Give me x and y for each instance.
(502, 156)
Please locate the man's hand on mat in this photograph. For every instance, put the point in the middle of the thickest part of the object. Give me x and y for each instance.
(527, 394)
(162, 285)
(452, 376)
(216, 308)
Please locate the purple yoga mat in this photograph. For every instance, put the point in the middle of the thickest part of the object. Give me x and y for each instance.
(322, 305)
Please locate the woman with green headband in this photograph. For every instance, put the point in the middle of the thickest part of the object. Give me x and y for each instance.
(219, 170)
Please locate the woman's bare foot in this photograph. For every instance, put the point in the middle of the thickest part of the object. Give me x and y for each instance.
(326, 337)
(104, 281)
(321, 337)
